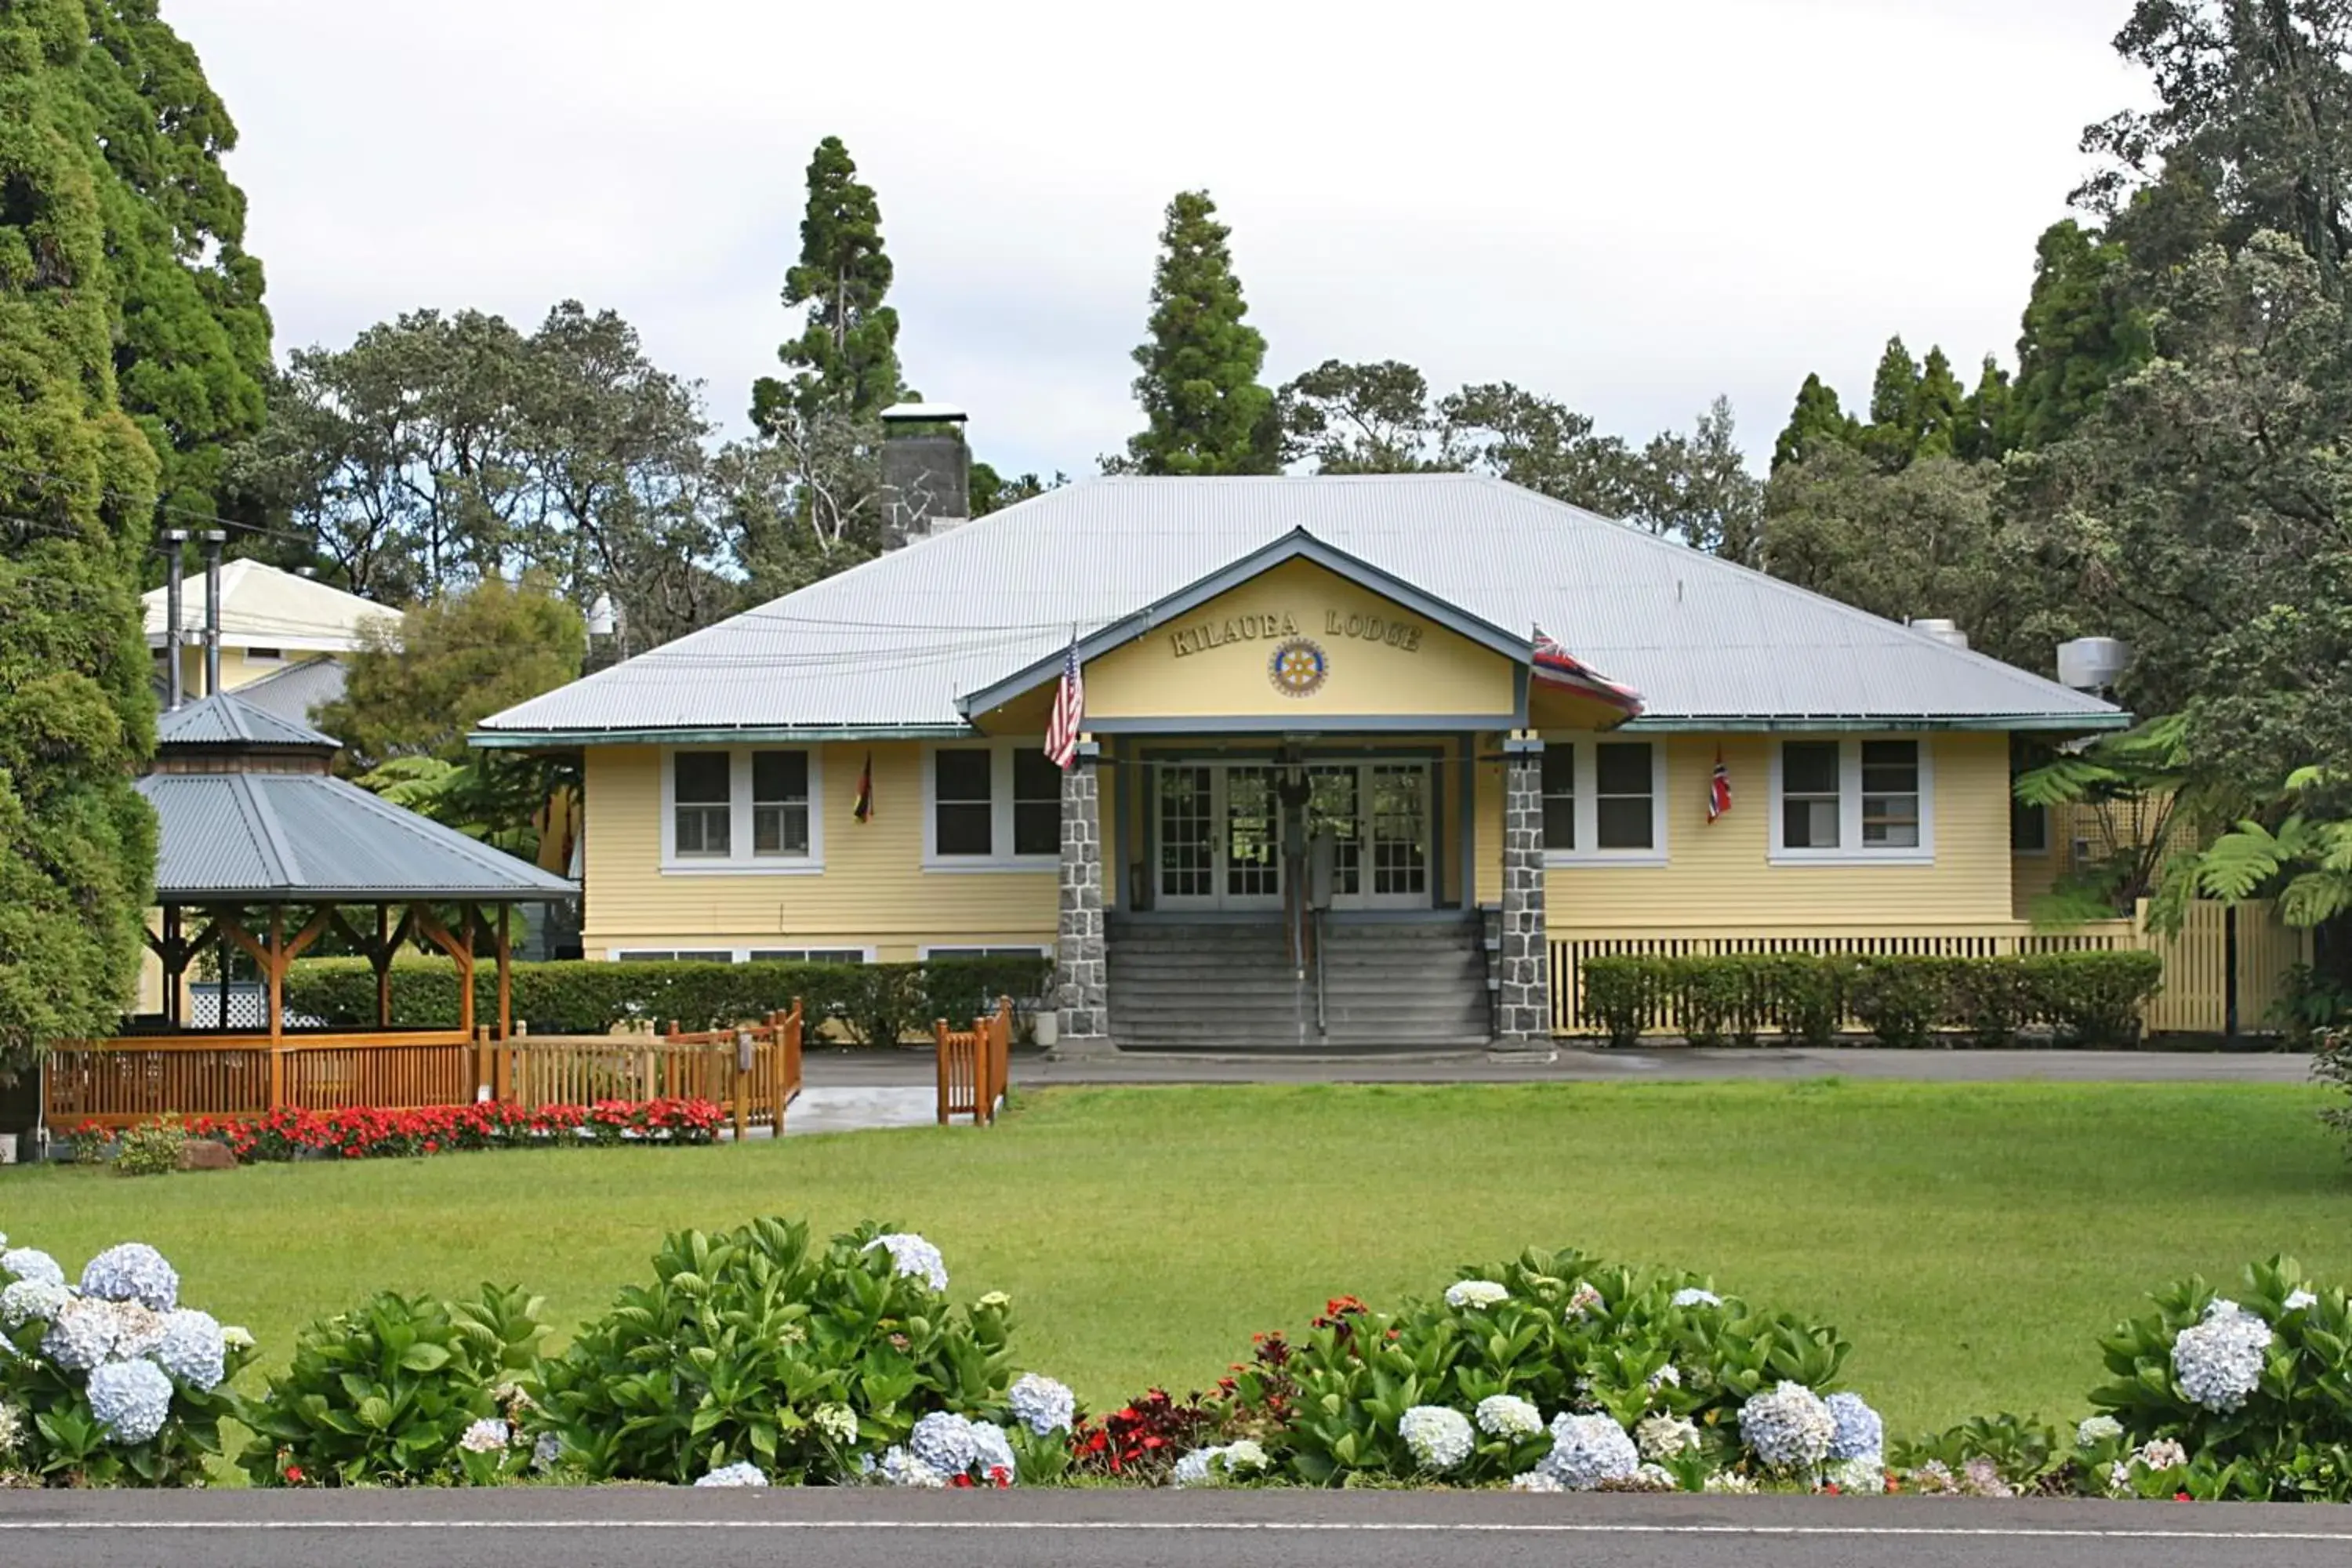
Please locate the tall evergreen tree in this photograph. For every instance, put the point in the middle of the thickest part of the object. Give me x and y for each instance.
(1985, 418)
(1937, 414)
(846, 360)
(76, 490)
(1206, 411)
(193, 354)
(1891, 438)
(2081, 333)
(1818, 422)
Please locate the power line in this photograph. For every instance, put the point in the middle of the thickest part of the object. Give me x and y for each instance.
(44, 477)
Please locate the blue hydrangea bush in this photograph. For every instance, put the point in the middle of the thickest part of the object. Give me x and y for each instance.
(109, 1379)
(759, 1352)
(1558, 1372)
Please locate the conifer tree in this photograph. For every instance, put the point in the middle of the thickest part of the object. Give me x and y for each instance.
(2081, 333)
(1891, 439)
(846, 360)
(1816, 423)
(77, 843)
(1936, 413)
(1206, 412)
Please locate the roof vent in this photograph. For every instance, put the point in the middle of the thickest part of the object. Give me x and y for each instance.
(1947, 632)
(2092, 664)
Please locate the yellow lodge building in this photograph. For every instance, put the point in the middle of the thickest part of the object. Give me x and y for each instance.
(1355, 768)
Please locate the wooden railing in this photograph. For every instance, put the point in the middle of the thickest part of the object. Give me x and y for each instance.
(974, 1066)
(755, 1072)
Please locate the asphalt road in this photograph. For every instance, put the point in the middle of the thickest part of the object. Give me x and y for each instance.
(548, 1528)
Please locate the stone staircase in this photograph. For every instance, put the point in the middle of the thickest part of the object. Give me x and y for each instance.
(1218, 988)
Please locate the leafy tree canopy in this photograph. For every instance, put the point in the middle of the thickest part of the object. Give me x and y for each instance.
(77, 719)
(1204, 409)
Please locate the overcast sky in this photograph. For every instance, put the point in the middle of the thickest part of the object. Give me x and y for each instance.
(1629, 205)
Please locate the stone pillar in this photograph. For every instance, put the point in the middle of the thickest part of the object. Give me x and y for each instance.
(1081, 963)
(1523, 1014)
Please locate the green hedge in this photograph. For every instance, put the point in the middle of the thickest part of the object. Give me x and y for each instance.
(878, 1001)
(2090, 998)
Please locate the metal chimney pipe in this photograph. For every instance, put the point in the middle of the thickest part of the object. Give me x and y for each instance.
(174, 682)
(213, 539)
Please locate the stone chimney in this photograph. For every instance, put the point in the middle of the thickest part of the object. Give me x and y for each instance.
(926, 472)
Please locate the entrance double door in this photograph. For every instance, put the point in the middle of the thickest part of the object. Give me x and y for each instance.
(1222, 829)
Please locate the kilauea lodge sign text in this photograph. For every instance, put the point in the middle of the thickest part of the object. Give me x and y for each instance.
(1404, 636)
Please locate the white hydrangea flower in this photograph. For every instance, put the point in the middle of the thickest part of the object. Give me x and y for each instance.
(1041, 1404)
(1789, 1428)
(1858, 1430)
(130, 1399)
(944, 1442)
(1584, 1300)
(2097, 1429)
(31, 1263)
(1475, 1293)
(837, 1422)
(991, 1451)
(80, 1335)
(1862, 1474)
(2297, 1301)
(1731, 1482)
(1192, 1469)
(1663, 1436)
(1507, 1415)
(237, 1338)
(2162, 1454)
(32, 1300)
(1981, 1477)
(132, 1271)
(12, 1423)
(546, 1451)
(1243, 1456)
(2119, 1477)
(1588, 1451)
(2220, 1307)
(2220, 1361)
(488, 1436)
(1692, 1296)
(901, 1468)
(192, 1348)
(914, 1257)
(1649, 1478)
(1668, 1376)
(742, 1474)
(1536, 1481)
(1438, 1438)
(137, 1331)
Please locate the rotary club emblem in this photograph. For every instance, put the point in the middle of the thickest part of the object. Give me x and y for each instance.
(1298, 667)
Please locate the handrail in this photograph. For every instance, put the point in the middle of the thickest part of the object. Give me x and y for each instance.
(1322, 1022)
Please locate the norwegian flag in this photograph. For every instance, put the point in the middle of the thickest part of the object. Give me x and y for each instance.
(1069, 714)
(1718, 788)
(1554, 666)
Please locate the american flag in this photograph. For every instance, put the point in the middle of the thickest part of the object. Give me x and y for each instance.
(1069, 714)
(1718, 788)
(1554, 666)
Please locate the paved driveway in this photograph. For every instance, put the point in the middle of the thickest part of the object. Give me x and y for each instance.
(628, 1526)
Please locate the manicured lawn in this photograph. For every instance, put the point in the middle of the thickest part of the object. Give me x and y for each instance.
(1972, 1241)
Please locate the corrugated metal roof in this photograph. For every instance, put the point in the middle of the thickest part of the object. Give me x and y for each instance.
(891, 645)
(265, 607)
(230, 718)
(307, 838)
(298, 690)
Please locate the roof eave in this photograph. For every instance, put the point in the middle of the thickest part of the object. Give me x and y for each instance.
(1816, 723)
(708, 736)
(282, 895)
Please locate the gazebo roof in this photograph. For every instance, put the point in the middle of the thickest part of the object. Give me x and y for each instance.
(307, 838)
(225, 719)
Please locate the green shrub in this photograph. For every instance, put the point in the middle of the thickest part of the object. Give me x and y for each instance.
(1568, 1332)
(386, 1396)
(1989, 1455)
(152, 1149)
(754, 1346)
(1989, 999)
(1808, 992)
(2093, 998)
(1620, 994)
(1899, 999)
(579, 997)
(1719, 1000)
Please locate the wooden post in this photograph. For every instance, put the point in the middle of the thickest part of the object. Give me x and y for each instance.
(485, 1062)
(504, 947)
(382, 958)
(939, 1042)
(174, 964)
(739, 1090)
(465, 956)
(273, 968)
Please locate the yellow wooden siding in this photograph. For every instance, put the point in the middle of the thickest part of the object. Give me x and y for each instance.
(874, 891)
(1430, 670)
(236, 669)
(1719, 874)
(2195, 997)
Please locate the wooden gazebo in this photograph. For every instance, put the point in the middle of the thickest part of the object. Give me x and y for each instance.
(262, 852)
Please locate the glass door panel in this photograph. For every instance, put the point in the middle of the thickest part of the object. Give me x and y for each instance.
(1188, 835)
(1332, 804)
(1397, 833)
(1252, 838)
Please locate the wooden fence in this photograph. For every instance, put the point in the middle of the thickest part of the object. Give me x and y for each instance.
(2197, 961)
(755, 1072)
(974, 1066)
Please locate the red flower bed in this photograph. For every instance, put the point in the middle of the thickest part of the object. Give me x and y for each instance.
(368, 1132)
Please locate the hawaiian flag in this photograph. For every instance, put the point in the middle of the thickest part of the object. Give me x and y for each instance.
(1069, 712)
(1718, 788)
(862, 807)
(1554, 666)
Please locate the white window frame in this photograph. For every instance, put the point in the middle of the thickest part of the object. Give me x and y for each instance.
(923, 951)
(1850, 850)
(1588, 851)
(1000, 801)
(736, 955)
(739, 860)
